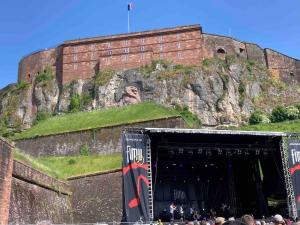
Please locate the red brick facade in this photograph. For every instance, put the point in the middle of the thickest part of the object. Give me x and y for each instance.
(83, 58)
(187, 45)
(6, 167)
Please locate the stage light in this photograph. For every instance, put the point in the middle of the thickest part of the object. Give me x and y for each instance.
(198, 179)
(174, 164)
(220, 151)
(180, 151)
(212, 164)
(205, 165)
(239, 152)
(247, 153)
(256, 152)
(200, 151)
(228, 153)
(167, 167)
(208, 153)
(192, 167)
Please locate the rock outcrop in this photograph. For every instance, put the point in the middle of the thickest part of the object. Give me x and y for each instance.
(221, 92)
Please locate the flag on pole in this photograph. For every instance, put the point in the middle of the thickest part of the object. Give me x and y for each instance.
(130, 6)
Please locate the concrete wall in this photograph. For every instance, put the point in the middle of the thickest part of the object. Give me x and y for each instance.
(97, 198)
(36, 197)
(101, 141)
(6, 166)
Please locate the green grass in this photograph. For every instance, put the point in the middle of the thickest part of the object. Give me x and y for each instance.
(70, 166)
(96, 119)
(292, 126)
(34, 163)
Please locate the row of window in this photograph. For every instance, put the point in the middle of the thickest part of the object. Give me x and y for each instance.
(126, 51)
(125, 58)
(124, 43)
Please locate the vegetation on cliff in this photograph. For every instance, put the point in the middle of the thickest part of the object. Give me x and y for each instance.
(292, 126)
(100, 118)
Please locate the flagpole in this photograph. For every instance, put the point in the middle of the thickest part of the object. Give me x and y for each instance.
(128, 21)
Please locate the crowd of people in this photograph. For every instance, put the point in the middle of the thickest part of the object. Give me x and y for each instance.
(194, 217)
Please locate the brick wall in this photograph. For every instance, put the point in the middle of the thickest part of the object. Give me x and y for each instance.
(82, 59)
(6, 165)
(101, 141)
(31, 65)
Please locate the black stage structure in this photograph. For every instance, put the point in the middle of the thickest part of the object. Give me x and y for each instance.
(249, 172)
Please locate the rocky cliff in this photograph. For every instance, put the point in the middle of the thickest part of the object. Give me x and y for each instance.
(221, 92)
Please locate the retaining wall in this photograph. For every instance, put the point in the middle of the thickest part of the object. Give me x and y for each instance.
(98, 197)
(37, 197)
(100, 141)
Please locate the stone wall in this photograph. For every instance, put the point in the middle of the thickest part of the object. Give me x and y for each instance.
(97, 198)
(100, 141)
(36, 197)
(6, 165)
(282, 66)
(256, 54)
(213, 43)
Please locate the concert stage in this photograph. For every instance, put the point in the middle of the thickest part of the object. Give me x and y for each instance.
(207, 169)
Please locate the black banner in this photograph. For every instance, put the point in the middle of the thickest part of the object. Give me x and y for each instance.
(294, 167)
(135, 181)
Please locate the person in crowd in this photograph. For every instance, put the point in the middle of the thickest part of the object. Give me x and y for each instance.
(172, 211)
(248, 219)
(278, 220)
(181, 212)
(219, 221)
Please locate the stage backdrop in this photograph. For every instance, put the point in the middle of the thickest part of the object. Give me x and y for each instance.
(294, 166)
(135, 181)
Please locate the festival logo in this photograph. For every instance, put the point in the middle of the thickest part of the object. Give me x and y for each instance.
(134, 155)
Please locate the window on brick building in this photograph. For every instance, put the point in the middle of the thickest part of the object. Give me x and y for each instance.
(126, 50)
(161, 48)
(125, 42)
(178, 36)
(108, 44)
(142, 56)
(142, 48)
(178, 45)
(109, 52)
(161, 56)
(179, 55)
(142, 40)
(160, 38)
(75, 57)
(124, 58)
(75, 66)
(107, 60)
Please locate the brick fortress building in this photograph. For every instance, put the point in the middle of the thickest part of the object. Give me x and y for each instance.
(187, 45)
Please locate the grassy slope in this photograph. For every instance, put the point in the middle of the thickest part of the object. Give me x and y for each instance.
(287, 126)
(100, 118)
(69, 166)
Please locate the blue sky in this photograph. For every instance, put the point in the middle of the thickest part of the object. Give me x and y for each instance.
(30, 25)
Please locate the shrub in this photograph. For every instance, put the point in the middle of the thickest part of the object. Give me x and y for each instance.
(292, 112)
(279, 114)
(45, 75)
(258, 117)
(75, 104)
(42, 115)
(71, 161)
(191, 119)
(84, 150)
(21, 85)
